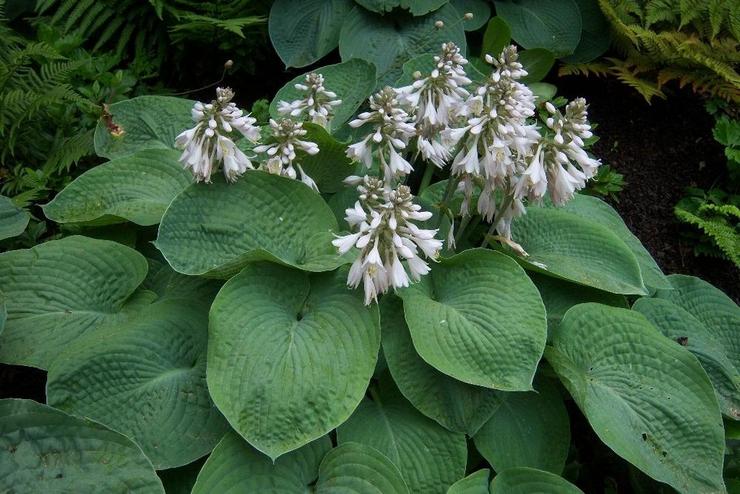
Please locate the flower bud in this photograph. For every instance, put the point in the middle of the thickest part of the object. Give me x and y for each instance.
(439, 24)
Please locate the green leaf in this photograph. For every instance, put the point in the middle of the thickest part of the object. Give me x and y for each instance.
(596, 34)
(146, 379)
(430, 457)
(479, 8)
(353, 81)
(645, 396)
(3, 312)
(680, 326)
(537, 62)
(62, 289)
(496, 38)
(564, 245)
(148, 122)
(551, 24)
(299, 349)
(543, 90)
(455, 405)
(478, 318)
(303, 31)
(388, 43)
(331, 165)
(559, 296)
(416, 7)
(137, 188)
(595, 210)
(530, 481)
(475, 483)
(45, 450)
(215, 229)
(13, 220)
(168, 284)
(529, 429)
(236, 467)
(359, 469)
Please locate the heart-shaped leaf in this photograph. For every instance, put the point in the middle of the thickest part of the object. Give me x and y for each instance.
(137, 188)
(596, 34)
(529, 429)
(331, 165)
(215, 229)
(645, 396)
(353, 81)
(289, 355)
(537, 62)
(566, 246)
(416, 7)
(45, 450)
(303, 31)
(146, 379)
(59, 290)
(496, 38)
(358, 468)
(430, 457)
(478, 318)
(388, 43)
(529, 481)
(13, 220)
(236, 467)
(475, 483)
(457, 406)
(551, 24)
(145, 122)
(480, 9)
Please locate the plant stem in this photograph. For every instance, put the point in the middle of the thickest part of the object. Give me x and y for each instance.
(499, 211)
(427, 178)
(461, 229)
(443, 205)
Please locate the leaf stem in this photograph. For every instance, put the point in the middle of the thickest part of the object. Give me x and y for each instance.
(427, 178)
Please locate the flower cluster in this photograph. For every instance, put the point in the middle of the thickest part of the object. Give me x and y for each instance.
(208, 143)
(389, 241)
(317, 104)
(391, 133)
(281, 152)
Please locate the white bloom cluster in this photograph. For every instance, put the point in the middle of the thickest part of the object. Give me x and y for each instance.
(554, 159)
(391, 134)
(281, 151)
(389, 241)
(208, 143)
(437, 98)
(318, 103)
(497, 138)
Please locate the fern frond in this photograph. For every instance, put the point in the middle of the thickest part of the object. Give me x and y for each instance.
(584, 69)
(723, 233)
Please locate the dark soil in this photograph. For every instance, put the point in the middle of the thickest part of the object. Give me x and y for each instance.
(661, 149)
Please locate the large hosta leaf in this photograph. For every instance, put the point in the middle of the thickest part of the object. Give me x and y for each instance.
(596, 35)
(45, 450)
(236, 467)
(215, 229)
(430, 457)
(13, 220)
(551, 24)
(531, 481)
(146, 379)
(416, 7)
(289, 354)
(478, 318)
(137, 188)
(475, 483)
(148, 122)
(358, 468)
(388, 43)
(682, 327)
(353, 81)
(529, 429)
(645, 396)
(169, 284)
(458, 406)
(303, 31)
(61, 289)
(595, 210)
(566, 246)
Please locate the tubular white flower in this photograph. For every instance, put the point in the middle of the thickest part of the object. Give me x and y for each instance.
(281, 151)
(391, 133)
(317, 104)
(208, 143)
(388, 240)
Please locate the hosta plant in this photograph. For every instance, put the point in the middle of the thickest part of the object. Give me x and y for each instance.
(390, 289)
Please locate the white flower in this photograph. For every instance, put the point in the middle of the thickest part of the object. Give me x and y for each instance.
(208, 143)
(318, 103)
(391, 133)
(388, 240)
(281, 151)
